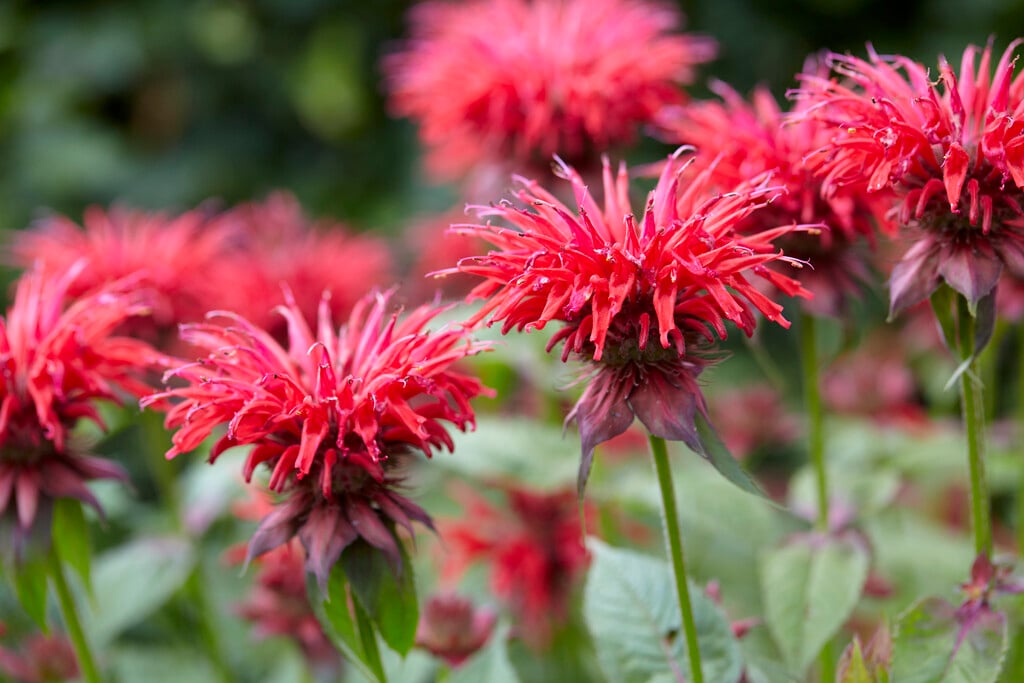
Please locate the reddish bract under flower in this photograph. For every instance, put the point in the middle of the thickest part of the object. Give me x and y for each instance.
(740, 139)
(279, 245)
(535, 550)
(954, 159)
(638, 298)
(57, 360)
(332, 415)
(494, 80)
(453, 628)
(173, 256)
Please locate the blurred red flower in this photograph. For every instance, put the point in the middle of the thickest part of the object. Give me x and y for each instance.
(739, 139)
(334, 415)
(59, 357)
(643, 300)
(954, 159)
(520, 80)
(534, 548)
(453, 628)
(39, 658)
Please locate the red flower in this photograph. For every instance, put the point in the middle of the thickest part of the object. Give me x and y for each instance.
(453, 629)
(738, 140)
(638, 298)
(280, 245)
(955, 160)
(57, 360)
(333, 416)
(39, 659)
(173, 256)
(535, 550)
(494, 80)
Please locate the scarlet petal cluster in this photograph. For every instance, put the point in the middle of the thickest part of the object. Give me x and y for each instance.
(951, 150)
(493, 80)
(638, 298)
(332, 416)
(740, 139)
(58, 359)
(534, 546)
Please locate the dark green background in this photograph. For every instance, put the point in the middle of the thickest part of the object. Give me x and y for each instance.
(168, 103)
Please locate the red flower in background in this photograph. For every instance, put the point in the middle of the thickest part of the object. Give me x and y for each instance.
(739, 139)
(453, 628)
(534, 546)
(641, 300)
(58, 358)
(172, 256)
(39, 658)
(493, 81)
(333, 416)
(279, 246)
(954, 159)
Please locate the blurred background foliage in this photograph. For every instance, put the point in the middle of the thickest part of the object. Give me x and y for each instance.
(169, 103)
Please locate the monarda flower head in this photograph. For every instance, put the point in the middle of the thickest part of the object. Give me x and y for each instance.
(641, 300)
(519, 80)
(333, 416)
(951, 150)
(58, 357)
(740, 139)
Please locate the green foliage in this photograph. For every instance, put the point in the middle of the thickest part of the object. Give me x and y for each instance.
(71, 537)
(29, 580)
(389, 598)
(632, 612)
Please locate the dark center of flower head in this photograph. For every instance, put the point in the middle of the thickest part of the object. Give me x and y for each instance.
(629, 352)
(25, 441)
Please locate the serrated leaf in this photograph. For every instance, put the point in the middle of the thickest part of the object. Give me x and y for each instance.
(339, 623)
(810, 586)
(388, 598)
(132, 581)
(925, 646)
(632, 611)
(71, 538)
(722, 460)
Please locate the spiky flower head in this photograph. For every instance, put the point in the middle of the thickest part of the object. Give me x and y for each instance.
(498, 80)
(740, 138)
(950, 150)
(333, 416)
(58, 358)
(641, 300)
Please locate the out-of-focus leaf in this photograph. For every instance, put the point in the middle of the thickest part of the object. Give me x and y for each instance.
(810, 587)
(632, 611)
(161, 665)
(925, 646)
(490, 664)
(389, 599)
(336, 616)
(29, 578)
(71, 537)
(719, 456)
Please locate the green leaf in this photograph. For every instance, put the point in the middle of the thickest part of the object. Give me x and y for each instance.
(722, 460)
(71, 537)
(335, 614)
(632, 611)
(924, 646)
(29, 579)
(810, 586)
(133, 581)
(852, 667)
(389, 599)
(942, 306)
(161, 665)
(491, 664)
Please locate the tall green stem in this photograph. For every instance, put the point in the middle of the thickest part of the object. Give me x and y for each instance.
(973, 408)
(86, 662)
(816, 448)
(659, 452)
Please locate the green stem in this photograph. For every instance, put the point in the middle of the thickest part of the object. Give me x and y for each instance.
(368, 640)
(659, 451)
(86, 662)
(1020, 429)
(973, 409)
(816, 449)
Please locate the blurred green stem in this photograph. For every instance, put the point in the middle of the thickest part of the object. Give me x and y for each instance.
(973, 408)
(659, 452)
(1019, 427)
(86, 662)
(816, 449)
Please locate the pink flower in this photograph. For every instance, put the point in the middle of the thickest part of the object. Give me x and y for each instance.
(740, 139)
(534, 546)
(951, 151)
(280, 245)
(640, 299)
(452, 628)
(498, 80)
(173, 256)
(58, 359)
(39, 659)
(333, 416)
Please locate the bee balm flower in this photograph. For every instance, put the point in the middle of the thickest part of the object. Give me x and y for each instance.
(640, 299)
(333, 416)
